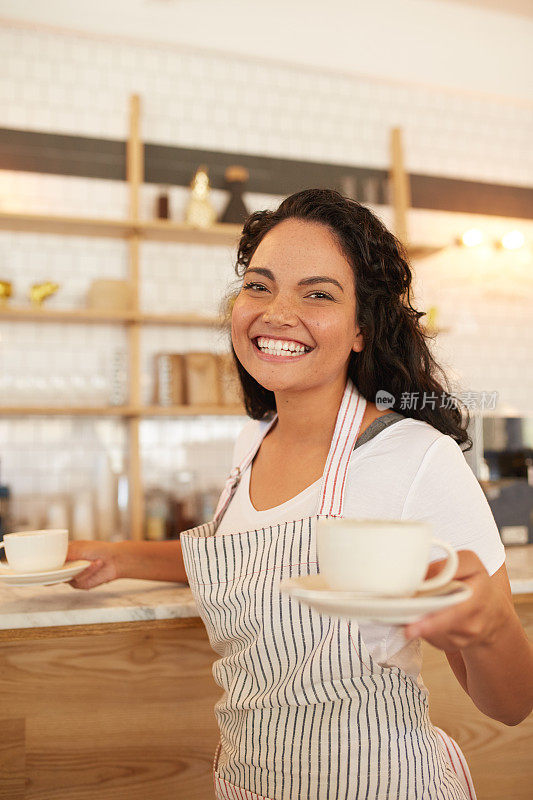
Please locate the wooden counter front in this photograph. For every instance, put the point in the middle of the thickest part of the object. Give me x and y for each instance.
(108, 711)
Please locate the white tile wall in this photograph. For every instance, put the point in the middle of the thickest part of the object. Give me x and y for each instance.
(80, 85)
(486, 310)
(203, 446)
(62, 194)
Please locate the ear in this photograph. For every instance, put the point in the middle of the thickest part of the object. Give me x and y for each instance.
(359, 342)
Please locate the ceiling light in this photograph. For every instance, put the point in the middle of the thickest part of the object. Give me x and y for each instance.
(513, 240)
(472, 237)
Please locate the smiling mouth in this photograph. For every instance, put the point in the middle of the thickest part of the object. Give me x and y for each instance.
(279, 347)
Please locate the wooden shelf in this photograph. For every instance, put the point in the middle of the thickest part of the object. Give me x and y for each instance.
(158, 230)
(44, 314)
(187, 320)
(85, 315)
(192, 411)
(153, 230)
(122, 411)
(418, 251)
(72, 226)
(74, 411)
(435, 331)
(162, 231)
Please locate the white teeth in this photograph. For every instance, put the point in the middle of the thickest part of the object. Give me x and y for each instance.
(280, 347)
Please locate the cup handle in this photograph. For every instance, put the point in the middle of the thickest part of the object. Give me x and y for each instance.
(447, 572)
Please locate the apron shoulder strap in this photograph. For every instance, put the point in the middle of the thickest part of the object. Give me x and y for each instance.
(234, 477)
(347, 428)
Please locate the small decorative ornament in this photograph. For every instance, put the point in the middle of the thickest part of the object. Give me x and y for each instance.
(432, 317)
(40, 291)
(163, 203)
(235, 212)
(199, 212)
(6, 291)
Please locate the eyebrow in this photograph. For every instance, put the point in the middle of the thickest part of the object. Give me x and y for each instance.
(304, 282)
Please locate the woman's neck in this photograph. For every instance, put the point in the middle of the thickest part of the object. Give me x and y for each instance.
(307, 418)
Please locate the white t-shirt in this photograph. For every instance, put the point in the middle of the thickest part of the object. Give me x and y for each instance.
(409, 470)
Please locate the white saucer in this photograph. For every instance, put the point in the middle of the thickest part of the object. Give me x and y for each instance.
(313, 591)
(8, 576)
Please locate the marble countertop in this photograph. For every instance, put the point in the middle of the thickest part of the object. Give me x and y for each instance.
(123, 600)
(127, 600)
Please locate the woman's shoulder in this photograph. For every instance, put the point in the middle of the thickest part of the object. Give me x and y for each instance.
(404, 434)
(407, 448)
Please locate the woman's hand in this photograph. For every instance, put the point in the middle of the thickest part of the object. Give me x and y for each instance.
(475, 621)
(105, 562)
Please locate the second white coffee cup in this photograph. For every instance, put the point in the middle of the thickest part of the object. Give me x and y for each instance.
(36, 551)
(380, 557)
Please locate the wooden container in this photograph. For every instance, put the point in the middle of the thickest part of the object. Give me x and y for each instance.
(201, 379)
(230, 392)
(169, 385)
(106, 294)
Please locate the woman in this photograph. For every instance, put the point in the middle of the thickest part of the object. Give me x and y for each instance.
(315, 706)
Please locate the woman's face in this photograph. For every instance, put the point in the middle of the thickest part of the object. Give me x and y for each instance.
(294, 321)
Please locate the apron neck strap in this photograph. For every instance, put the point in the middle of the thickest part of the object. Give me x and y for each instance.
(347, 427)
(235, 475)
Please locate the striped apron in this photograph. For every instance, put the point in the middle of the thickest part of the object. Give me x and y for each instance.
(306, 712)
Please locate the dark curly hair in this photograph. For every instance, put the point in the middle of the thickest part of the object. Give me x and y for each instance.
(396, 357)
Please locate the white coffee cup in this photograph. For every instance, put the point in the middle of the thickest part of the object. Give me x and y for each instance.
(36, 551)
(380, 557)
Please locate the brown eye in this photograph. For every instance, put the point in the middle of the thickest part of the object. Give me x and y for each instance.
(253, 285)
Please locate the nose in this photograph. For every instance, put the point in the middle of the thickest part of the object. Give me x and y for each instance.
(280, 311)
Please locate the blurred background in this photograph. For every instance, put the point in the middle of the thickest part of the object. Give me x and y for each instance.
(135, 135)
